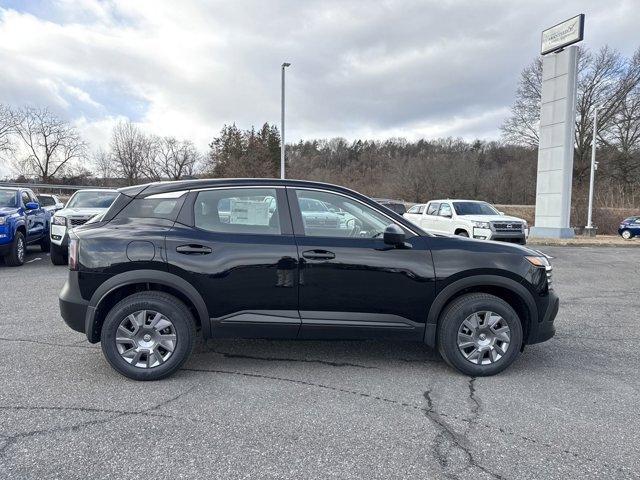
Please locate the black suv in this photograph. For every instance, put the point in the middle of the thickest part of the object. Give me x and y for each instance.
(236, 258)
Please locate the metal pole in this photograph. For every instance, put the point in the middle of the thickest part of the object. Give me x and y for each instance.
(593, 167)
(282, 146)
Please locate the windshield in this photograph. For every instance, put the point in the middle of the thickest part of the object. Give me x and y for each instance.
(474, 208)
(7, 198)
(92, 200)
(46, 200)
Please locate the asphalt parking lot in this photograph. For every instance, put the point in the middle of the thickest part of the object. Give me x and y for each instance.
(276, 409)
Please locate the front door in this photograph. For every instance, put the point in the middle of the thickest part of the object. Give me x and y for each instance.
(351, 284)
(237, 248)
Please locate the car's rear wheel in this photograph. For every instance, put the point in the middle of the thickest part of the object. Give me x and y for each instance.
(148, 335)
(16, 255)
(59, 255)
(479, 334)
(626, 234)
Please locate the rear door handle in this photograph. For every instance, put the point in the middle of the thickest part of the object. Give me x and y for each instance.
(318, 255)
(194, 249)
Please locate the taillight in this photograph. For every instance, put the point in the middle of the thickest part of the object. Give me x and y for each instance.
(73, 253)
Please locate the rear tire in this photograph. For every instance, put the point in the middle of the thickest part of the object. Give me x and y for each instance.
(15, 258)
(124, 357)
(492, 355)
(58, 255)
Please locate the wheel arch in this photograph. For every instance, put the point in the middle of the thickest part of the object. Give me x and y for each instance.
(505, 288)
(124, 284)
(459, 229)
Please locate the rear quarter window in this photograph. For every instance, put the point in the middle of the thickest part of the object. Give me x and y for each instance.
(165, 208)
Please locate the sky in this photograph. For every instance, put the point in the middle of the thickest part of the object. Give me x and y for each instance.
(360, 69)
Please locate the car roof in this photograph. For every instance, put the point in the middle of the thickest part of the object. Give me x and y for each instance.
(458, 200)
(178, 185)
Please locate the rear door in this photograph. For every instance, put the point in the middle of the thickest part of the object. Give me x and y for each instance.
(237, 248)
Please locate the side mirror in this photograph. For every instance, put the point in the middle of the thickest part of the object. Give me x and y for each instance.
(394, 235)
(448, 215)
(32, 206)
(501, 213)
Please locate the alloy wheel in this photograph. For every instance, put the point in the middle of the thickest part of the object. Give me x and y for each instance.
(626, 234)
(146, 339)
(484, 337)
(20, 249)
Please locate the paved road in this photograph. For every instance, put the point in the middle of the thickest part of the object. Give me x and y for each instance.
(273, 409)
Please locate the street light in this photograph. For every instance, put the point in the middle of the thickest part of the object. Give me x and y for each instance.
(589, 230)
(284, 65)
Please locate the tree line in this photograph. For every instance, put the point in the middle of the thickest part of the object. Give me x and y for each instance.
(40, 144)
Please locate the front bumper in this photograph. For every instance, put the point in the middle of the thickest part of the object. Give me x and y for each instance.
(518, 236)
(73, 308)
(543, 329)
(59, 235)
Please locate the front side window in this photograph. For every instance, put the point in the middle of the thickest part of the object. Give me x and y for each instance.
(46, 201)
(25, 198)
(445, 210)
(238, 210)
(339, 216)
(92, 199)
(416, 209)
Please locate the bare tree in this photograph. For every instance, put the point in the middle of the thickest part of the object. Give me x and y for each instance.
(131, 152)
(8, 121)
(52, 145)
(176, 159)
(523, 125)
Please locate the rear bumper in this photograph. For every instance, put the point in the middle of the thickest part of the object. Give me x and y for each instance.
(73, 307)
(544, 329)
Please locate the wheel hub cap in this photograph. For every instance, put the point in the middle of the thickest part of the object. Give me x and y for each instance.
(146, 339)
(484, 338)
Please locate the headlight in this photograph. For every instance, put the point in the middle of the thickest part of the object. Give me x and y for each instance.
(3, 220)
(58, 220)
(481, 224)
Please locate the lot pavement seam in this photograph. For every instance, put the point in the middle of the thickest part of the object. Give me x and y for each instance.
(40, 342)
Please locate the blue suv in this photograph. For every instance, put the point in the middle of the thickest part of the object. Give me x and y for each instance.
(629, 227)
(22, 222)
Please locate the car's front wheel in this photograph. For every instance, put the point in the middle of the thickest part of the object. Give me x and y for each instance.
(16, 255)
(626, 234)
(479, 334)
(58, 254)
(148, 335)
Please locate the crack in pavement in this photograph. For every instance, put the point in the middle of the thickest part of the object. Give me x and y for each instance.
(11, 440)
(281, 359)
(80, 409)
(40, 342)
(431, 413)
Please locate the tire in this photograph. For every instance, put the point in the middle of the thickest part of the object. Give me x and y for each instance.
(463, 233)
(45, 243)
(15, 258)
(626, 234)
(152, 303)
(58, 255)
(451, 325)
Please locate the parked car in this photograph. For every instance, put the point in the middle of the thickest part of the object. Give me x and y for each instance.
(81, 207)
(469, 218)
(22, 222)
(50, 203)
(394, 205)
(160, 267)
(629, 227)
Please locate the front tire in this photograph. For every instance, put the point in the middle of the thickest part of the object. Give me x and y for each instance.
(45, 243)
(148, 335)
(463, 233)
(58, 255)
(15, 258)
(479, 334)
(627, 235)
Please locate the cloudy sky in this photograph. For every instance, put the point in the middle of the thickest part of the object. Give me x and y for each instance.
(359, 68)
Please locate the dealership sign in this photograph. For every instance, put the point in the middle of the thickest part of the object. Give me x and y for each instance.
(563, 34)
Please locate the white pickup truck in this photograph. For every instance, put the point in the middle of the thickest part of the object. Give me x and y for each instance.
(468, 218)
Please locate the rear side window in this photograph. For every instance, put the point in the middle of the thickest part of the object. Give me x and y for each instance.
(153, 207)
(46, 201)
(433, 208)
(238, 210)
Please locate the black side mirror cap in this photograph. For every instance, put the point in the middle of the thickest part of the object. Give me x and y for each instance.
(394, 235)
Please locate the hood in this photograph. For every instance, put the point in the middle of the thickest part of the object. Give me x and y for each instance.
(7, 211)
(80, 212)
(492, 218)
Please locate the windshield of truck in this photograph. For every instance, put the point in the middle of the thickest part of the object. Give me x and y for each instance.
(474, 208)
(8, 198)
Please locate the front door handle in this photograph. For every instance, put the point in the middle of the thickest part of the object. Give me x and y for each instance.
(318, 255)
(194, 249)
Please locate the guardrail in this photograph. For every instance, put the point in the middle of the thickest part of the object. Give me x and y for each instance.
(49, 186)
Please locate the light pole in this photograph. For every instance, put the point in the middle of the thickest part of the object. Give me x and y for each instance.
(284, 65)
(589, 230)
